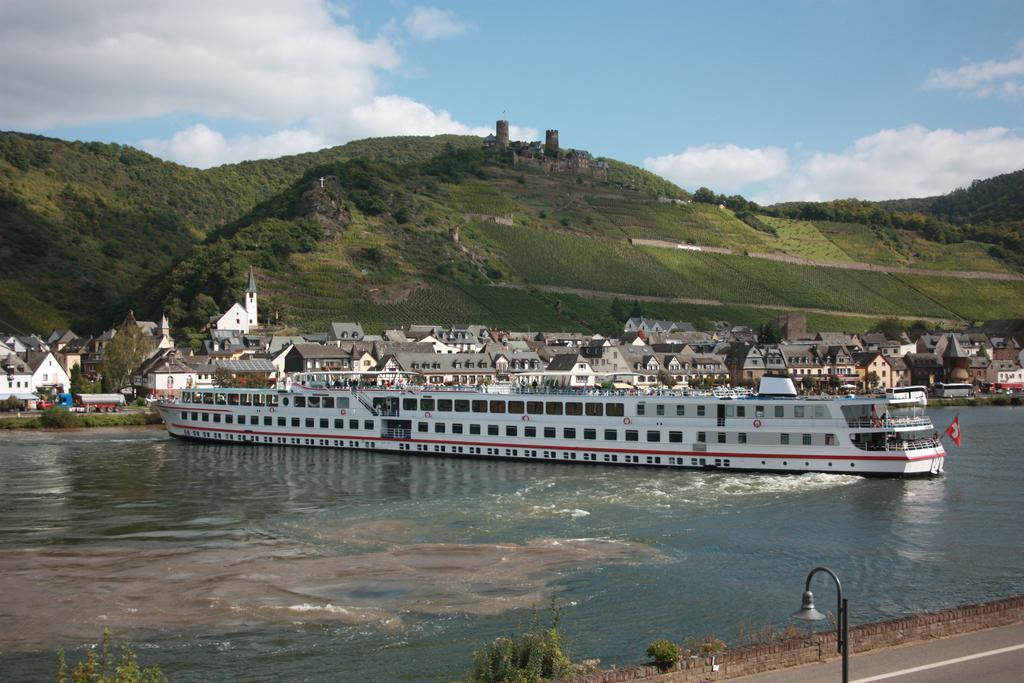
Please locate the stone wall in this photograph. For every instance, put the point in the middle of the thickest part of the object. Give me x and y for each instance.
(781, 654)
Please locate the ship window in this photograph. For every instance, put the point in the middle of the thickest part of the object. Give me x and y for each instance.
(296, 422)
(272, 401)
(232, 399)
(702, 437)
(549, 432)
(830, 439)
(700, 410)
(324, 423)
(680, 409)
(339, 424)
(807, 439)
(535, 407)
(784, 439)
(492, 430)
(474, 429)
(426, 404)
(444, 405)
(461, 406)
(780, 411)
(632, 435)
(653, 436)
(675, 437)
(590, 434)
(730, 411)
(741, 411)
(367, 424)
(497, 406)
(659, 409)
(216, 417)
(353, 424)
(281, 422)
(439, 427)
(741, 437)
(611, 435)
(569, 433)
(312, 401)
(530, 431)
(300, 401)
(479, 406)
(229, 419)
(758, 411)
(641, 409)
(798, 411)
(819, 411)
(246, 400)
(516, 407)
(721, 437)
(511, 430)
(614, 410)
(327, 402)
(409, 404)
(595, 410)
(552, 408)
(208, 399)
(254, 419)
(573, 408)
(309, 422)
(456, 428)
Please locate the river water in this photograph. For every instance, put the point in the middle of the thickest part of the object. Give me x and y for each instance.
(266, 563)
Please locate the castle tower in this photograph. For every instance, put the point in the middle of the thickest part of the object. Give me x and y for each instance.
(551, 143)
(501, 133)
(251, 305)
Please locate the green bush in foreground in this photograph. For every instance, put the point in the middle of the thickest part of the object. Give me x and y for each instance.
(57, 418)
(665, 653)
(101, 666)
(531, 657)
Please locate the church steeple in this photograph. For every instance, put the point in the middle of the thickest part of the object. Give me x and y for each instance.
(251, 304)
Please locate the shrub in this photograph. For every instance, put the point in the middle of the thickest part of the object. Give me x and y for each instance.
(58, 417)
(102, 667)
(665, 653)
(707, 645)
(10, 403)
(533, 656)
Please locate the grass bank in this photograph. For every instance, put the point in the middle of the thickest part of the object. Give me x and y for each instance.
(976, 401)
(57, 418)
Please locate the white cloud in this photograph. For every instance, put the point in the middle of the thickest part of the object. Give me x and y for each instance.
(295, 66)
(200, 146)
(430, 23)
(890, 164)
(983, 79)
(908, 162)
(721, 168)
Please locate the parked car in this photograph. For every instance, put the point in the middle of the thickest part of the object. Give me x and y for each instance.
(44, 404)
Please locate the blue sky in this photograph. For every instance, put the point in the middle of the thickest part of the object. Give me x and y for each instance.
(777, 101)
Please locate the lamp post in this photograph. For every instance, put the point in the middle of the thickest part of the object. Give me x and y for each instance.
(807, 612)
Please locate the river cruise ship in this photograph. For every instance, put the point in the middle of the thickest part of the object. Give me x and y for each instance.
(774, 430)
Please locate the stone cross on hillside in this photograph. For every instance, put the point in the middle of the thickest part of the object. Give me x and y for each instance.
(321, 182)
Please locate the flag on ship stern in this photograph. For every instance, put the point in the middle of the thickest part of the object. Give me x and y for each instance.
(954, 431)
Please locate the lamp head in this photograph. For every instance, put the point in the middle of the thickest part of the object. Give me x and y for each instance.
(807, 612)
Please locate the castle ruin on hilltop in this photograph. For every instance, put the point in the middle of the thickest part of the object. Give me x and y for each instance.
(546, 156)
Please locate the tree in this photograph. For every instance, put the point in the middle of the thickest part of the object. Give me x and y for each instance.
(770, 333)
(872, 380)
(222, 377)
(705, 196)
(892, 328)
(666, 378)
(123, 354)
(807, 382)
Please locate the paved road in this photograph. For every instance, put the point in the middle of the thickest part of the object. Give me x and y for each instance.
(993, 656)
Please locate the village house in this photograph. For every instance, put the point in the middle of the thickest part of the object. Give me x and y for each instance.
(570, 370)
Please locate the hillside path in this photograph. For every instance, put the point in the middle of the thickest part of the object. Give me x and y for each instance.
(597, 294)
(844, 265)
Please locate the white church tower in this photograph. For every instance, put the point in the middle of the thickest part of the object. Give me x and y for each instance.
(251, 306)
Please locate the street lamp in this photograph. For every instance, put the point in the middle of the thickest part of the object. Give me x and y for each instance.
(807, 612)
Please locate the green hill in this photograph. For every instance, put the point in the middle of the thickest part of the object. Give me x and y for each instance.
(93, 229)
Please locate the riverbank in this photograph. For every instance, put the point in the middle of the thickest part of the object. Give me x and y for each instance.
(996, 400)
(57, 418)
(820, 647)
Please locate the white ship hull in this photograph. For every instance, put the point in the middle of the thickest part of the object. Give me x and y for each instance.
(881, 437)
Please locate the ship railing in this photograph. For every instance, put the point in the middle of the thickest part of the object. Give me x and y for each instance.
(908, 445)
(386, 413)
(879, 423)
(397, 434)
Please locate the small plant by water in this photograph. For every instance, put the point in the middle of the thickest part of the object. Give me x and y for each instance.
(665, 653)
(101, 665)
(527, 658)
